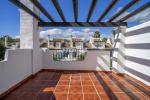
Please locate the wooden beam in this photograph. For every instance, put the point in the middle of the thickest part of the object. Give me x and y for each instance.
(107, 9)
(129, 5)
(137, 11)
(42, 9)
(81, 24)
(75, 7)
(59, 10)
(26, 9)
(93, 4)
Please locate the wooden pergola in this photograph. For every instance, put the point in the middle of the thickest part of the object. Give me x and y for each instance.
(99, 23)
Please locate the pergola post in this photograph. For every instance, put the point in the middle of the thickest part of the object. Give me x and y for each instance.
(119, 50)
(29, 34)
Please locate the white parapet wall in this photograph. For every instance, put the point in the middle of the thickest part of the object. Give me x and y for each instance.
(137, 44)
(94, 60)
(16, 67)
(136, 52)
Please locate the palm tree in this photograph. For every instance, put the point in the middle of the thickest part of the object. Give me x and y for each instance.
(104, 40)
(97, 34)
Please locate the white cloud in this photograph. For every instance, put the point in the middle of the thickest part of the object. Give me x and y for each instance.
(60, 33)
(51, 32)
(121, 16)
(17, 37)
(85, 33)
(142, 17)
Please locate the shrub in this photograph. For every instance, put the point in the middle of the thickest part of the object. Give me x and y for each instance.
(81, 57)
(2, 51)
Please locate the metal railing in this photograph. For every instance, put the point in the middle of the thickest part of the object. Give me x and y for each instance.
(72, 54)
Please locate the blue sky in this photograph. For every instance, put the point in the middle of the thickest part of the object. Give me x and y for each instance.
(9, 14)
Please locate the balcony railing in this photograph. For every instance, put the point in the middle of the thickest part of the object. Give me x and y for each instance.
(72, 54)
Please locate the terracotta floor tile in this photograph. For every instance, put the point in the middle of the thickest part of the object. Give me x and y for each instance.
(100, 89)
(114, 88)
(85, 78)
(77, 74)
(75, 89)
(146, 95)
(48, 89)
(96, 82)
(43, 96)
(87, 83)
(122, 96)
(61, 89)
(133, 89)
(57, 96)
(123, 82)
(28, 96)
(55, 78)
(91, 74)
(13, 96)
(89, 89)
(46, 84)
(65, 75)
(93, 78)
(75, 78)
(28, 89)
(106, 78)
(110, 82)
(141, 96)
(91, 97)
(75, 83)
(44, 77)
(104, 96)
(66, 78)
(84, 74)
(63, 82)
(75, 97)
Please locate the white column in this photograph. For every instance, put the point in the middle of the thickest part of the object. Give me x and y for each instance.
(48, 44)
(29, 35)
(71, 43)
(119, 50)
(28, 28)
(6, 39)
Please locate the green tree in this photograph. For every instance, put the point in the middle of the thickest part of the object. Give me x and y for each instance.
(9, 39)
(97, 34)
(104, 39)
(2, 51)
(2, 45)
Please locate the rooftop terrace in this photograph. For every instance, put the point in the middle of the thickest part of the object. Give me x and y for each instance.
(120, 73)
(80, 85)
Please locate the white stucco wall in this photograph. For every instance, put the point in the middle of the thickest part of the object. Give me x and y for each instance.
(16, 67)
(136, 52)
(95, 60)
(137, 44)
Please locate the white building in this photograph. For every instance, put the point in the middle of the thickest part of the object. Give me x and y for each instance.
(55, 43)
(97, 43)
(109, 43)
(77, 43)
